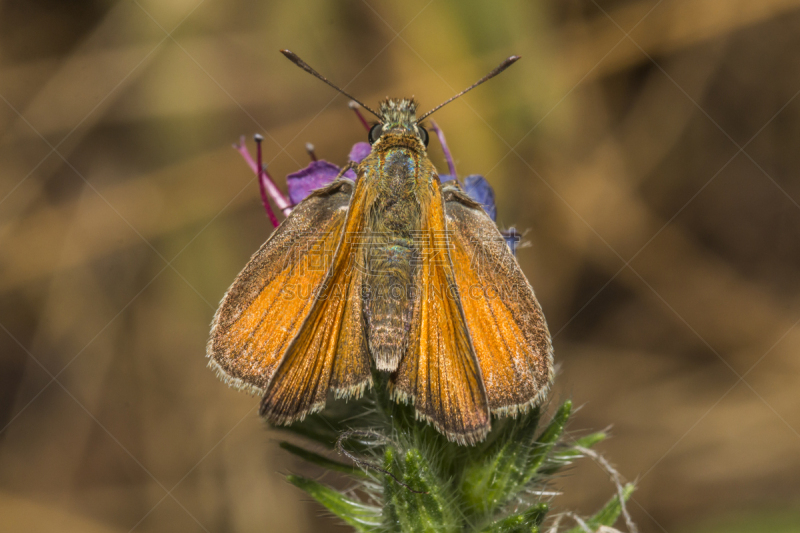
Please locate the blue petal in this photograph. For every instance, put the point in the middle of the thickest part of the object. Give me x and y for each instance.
(479, 190)
(512, 237)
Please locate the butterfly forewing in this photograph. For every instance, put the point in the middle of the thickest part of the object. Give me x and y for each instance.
(329, 351)
(506, 324)
(270, 299)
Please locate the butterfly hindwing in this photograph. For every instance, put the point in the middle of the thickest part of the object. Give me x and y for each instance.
(439, 372)
(506, 323)
(269, 301)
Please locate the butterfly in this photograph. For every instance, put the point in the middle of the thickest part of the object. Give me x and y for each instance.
(392, 272)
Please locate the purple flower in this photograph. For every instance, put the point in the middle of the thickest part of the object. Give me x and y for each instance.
(359, 151)
(320, 172)
(317, 174)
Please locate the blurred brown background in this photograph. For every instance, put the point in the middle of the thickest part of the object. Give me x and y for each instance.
(650, 148)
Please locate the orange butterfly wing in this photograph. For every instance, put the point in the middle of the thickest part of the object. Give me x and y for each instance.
(271, 298)
(506, 323)
(439, 371)
(330, 350)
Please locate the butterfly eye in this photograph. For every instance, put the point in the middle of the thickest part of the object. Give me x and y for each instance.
(423, 135)
(375, 133)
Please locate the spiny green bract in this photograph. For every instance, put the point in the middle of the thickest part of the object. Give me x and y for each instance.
(417, 481)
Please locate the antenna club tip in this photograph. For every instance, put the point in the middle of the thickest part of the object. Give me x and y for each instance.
(258, 137)
(303, 65)
(511, 59)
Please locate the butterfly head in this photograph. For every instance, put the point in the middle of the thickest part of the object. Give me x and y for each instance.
(398, 118)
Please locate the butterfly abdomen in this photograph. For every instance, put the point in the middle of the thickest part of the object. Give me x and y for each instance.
(389, 300)
(391, 259)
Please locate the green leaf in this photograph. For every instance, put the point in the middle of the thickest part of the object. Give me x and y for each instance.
(391, 517)
(488, 484)
(548, 439)
(609, 513)
(561, 458)
(513, 462)
(524, 522)
(421, 506)
(322, 461)
(590, 440)
(364, 518)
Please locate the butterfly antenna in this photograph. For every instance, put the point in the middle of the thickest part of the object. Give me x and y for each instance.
(500, 68)
(303, 65)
